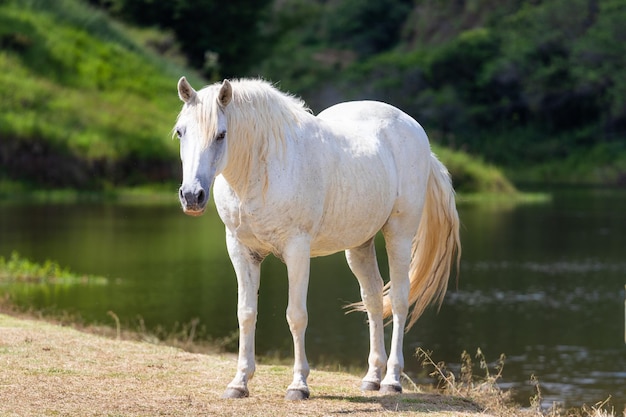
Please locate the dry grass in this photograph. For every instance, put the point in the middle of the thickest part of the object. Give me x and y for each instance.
(48, 369)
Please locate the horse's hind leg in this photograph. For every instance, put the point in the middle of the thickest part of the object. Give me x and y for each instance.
(398, 242)
(362, 261)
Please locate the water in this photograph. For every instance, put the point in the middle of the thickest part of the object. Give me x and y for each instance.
(541, 283)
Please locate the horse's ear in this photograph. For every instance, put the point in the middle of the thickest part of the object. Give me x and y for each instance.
(225, 94)
(186, 91)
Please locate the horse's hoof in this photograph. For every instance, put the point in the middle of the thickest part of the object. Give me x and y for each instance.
(235, 393)
(296, 395)
(390, 389)
(370, 386)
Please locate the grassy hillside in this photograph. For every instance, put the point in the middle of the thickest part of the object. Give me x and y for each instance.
(82, 101)
(85, 104)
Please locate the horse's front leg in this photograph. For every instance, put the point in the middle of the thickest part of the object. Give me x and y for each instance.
(247, 266)
(296, 255)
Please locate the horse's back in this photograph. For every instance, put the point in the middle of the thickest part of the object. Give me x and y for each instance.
(359, 110)
(395, 132)
(366, 110)
(403, 134)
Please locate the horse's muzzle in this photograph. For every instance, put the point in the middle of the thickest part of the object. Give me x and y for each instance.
(193, 200)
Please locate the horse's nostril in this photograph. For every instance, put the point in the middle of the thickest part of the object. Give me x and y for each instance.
(180, 194)
(200, 196)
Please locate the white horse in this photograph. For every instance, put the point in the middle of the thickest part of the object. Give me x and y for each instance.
(297, 186)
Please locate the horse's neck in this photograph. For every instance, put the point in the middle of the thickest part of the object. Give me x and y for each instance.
(247, 168)
(251, 153)
(237, 174)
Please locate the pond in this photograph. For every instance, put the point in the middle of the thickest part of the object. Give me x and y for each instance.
(541, 283)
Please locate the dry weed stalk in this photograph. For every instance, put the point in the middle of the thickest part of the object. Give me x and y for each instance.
(485, 391)
(117, 323)
(481, 389)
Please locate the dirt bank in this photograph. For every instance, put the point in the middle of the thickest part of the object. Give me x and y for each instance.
(41, 164)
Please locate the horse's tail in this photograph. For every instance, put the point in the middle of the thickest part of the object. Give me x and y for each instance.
(436, 245)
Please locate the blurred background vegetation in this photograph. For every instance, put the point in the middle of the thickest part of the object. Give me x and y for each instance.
(536, 88)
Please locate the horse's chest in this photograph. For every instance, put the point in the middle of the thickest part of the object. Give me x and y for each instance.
(268, 230)
(253, 237)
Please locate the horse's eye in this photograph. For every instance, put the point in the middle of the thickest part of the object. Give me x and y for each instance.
(179, 132)
(221, 135)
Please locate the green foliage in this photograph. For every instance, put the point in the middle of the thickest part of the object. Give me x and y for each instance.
(521, 83)
(221, 38)
(604, 163)
(84, 104)
(367, 27)
(79, 93)
(19, 269)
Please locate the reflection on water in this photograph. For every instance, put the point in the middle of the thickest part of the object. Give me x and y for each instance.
(543, 284)
(559, 267)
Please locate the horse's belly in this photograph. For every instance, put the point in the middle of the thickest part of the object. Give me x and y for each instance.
(325, 245)
(351, 221)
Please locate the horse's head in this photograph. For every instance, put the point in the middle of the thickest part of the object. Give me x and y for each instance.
(201, 129)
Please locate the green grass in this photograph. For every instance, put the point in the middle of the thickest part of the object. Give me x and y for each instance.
(73, 79)
(472, 175)
(19, 269)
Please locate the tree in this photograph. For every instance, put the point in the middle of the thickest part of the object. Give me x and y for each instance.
(222, 39)
(367, 27)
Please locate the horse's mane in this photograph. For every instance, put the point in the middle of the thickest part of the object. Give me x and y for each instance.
(258, 111)
(259, 119)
